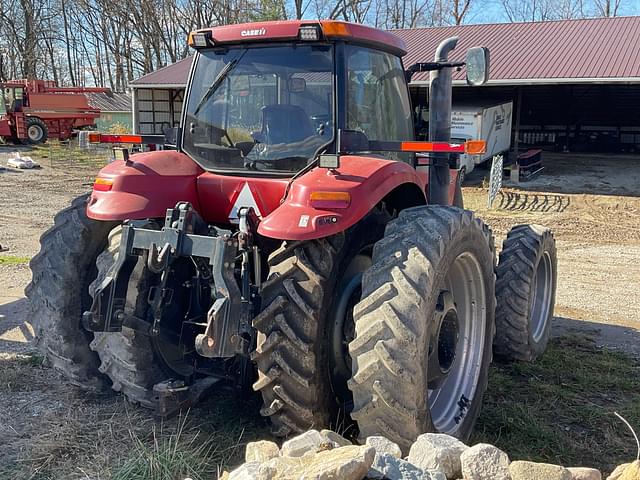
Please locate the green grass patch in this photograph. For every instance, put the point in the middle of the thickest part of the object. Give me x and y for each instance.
(177, 454)
(13, 260)
(200, 445)
(560, 409)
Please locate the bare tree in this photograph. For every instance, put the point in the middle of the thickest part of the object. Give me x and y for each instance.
(607, 8)
(459, 10)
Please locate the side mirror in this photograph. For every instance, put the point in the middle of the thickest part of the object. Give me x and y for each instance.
(477, 66)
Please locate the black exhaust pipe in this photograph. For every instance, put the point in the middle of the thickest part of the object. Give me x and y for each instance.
(440, 123)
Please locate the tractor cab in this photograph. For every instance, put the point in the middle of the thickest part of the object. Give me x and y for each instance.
(271, 99)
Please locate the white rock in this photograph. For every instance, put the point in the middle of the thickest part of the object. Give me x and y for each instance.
(437, 451)
(520, 470)
(335, 438)
(388, 467)
(261, 451)
(247, 471)
(344, 463)
(297, 446)
(484, 462)
(384, 445)
(583, 473)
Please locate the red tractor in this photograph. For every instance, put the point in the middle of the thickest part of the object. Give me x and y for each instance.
(33, 110)
(297, 240)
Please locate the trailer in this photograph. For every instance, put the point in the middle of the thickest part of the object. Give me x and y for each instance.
(33, 110)
(490, 122)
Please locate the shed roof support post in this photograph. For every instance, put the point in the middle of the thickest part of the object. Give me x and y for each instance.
(515, 167)
(134, 110)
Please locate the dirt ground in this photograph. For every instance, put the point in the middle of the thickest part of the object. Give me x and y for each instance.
(591, 203)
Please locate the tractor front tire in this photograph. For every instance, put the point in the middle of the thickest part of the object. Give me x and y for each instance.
(526, 292)
(59, 292)
(424, 327)
(37, 131)
(301, 344)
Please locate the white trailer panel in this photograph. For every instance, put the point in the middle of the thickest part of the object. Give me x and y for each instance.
(491, 122)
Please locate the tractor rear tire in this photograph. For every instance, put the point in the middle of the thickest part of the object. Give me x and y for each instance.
(128, 357)
(298, 377)
(59, 292)
(418, 365)
(37, 131)
(526, 292)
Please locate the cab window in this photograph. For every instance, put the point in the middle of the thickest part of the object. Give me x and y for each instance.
(378, 102)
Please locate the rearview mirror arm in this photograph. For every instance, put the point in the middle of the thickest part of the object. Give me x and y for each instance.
(429, 67)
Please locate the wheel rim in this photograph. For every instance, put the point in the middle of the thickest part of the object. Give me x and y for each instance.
(456, 344)
(348, 292)
(541, 302)
(35, 133)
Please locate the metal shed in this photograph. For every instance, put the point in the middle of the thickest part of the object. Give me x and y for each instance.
(115, 111)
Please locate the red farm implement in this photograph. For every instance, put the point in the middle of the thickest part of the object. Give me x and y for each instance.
(33, 110)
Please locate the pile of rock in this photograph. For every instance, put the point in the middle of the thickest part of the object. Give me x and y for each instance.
(326, 455)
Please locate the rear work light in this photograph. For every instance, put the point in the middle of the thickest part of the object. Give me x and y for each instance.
(330, 199)
(199, 39)
(309, 33)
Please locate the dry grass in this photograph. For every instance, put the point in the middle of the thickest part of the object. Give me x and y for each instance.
(51, 431)
(559, 410)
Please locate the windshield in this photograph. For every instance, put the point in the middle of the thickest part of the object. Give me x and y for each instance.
(265, 109)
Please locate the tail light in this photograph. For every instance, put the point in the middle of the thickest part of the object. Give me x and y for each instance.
(102, 184)
(330, 199)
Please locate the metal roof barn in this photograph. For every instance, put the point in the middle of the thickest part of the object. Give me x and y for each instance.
(575, 84)
(600, 50)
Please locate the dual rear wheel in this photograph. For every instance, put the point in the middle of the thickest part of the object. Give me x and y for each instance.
(391, 321)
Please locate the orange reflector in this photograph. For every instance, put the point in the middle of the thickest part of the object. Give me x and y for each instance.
(332, 28)
(436, 147)
(475, 147)
(121, 138)
(102, 184)
(106, 138)
(330, 199)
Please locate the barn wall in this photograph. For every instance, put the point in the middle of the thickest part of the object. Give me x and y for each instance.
(157, 108)
(111, 121)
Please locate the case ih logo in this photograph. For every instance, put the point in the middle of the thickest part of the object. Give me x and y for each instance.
(253, 33)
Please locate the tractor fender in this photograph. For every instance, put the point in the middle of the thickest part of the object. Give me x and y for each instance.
(367, 180)
(145, 186)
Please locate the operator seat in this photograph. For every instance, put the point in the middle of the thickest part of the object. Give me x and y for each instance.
(285, 124)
